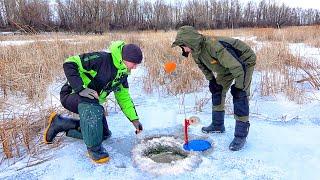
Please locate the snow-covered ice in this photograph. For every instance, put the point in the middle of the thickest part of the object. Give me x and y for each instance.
(307, 52)
(25, 42)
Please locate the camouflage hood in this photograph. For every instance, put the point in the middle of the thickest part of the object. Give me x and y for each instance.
(189, 37)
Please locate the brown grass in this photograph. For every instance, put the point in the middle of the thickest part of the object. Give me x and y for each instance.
(27, 70)
(157, 52)
(301, 34)
(17, 134)
(13, 134)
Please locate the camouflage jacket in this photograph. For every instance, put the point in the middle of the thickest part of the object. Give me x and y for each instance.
(222, 55)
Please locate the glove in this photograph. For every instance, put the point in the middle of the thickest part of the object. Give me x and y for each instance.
(138, 126)
(237, 93)
(214, 87)
(89, 93)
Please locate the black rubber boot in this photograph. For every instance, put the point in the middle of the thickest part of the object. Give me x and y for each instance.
(106, 132)
(56, 124)
(76, 133)
(98, 154)
(217, 125)
(240, 135)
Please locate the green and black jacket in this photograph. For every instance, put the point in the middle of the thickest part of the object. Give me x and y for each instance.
(103, 72)
(222, 55)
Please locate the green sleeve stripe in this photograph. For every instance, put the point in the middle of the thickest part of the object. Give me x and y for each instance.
(125, 102)
(103, 96)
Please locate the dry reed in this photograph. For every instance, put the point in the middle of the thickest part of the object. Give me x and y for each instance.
(282, 72)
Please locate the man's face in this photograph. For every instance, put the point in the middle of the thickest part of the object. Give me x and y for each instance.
(186, 49)
(130, 65)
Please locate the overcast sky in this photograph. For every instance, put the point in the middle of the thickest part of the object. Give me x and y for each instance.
(315, 4)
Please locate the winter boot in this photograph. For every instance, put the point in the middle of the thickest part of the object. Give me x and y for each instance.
(76, 133)
(240, 135)
(98, 154)
(106, 132)
(56, 124)
(217, 125)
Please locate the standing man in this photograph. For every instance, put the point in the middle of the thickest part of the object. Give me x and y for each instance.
(91, 77)
(232, 60)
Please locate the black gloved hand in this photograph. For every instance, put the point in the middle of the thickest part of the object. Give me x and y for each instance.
(214, 87)
(237, 93)
(138, 126)
(89, 93)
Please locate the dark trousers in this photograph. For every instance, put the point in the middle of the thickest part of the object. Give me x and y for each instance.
(71, 100)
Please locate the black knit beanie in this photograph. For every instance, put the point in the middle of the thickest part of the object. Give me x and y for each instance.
(132, 53)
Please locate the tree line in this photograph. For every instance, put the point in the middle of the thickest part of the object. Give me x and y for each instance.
(97, 16)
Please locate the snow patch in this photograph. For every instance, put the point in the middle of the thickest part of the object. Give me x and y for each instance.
(308, 53)
(25, 42)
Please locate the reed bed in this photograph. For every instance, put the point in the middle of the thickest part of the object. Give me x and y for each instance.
(281, 72)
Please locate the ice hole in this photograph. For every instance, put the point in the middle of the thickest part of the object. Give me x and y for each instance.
(164, 155)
